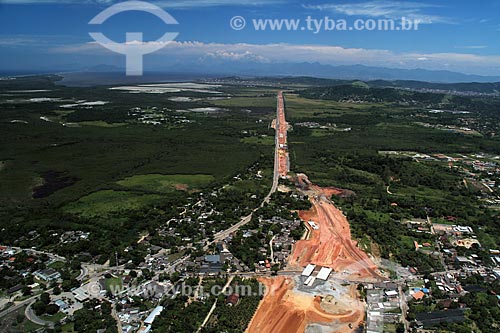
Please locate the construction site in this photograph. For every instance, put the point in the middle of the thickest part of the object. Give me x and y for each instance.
(328, 239)
(290, 306)
(282, 127)
(317, 291)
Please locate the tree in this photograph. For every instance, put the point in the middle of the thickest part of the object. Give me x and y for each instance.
(45, 298)
(52, 309)
(39, 307)
(26, 291)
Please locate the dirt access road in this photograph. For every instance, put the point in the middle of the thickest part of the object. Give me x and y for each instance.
(331, 245)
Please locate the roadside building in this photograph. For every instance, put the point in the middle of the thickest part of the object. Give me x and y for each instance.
(48, 275)
(152, 316)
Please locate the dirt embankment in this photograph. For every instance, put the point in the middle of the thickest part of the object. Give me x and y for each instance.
(283, 310)
(331, 244)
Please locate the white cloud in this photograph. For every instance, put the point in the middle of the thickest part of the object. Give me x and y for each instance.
(385, 9)
(192, 51)
(16, 41)
(34, 40)
(473, 47)
(237, 56)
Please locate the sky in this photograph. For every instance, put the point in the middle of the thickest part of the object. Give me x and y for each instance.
(53, 35)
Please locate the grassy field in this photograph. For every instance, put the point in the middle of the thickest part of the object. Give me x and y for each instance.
(166, 183)
(106, 202)
(68, 328)
(58, 265)
(301, 108)
(113, 284)
(55, 318)
(265, 101)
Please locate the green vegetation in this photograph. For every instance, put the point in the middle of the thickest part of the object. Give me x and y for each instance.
(113, 284)
(16, 322)
(109, 201)
(166, 183)
(94, 317)
(235, 319)
(111, 172)
(266, 140)
(381, 120)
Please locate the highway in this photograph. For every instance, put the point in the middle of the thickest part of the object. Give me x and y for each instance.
(276, 175)
(17, 306)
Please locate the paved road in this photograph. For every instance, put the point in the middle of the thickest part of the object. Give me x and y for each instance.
(225, 233)
(83, 272)
(404, 309)
(17, 306)
(50, 255)
(31, 316)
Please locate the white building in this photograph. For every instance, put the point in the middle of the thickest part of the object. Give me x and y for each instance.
(152, 316)
(308, 270)
(324, 273)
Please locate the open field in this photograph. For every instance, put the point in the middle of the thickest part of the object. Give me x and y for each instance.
(254, 140)
(166, 183)
(114, 284)
(301, 108)
(108, 201)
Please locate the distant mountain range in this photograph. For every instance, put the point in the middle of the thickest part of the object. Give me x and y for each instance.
(219, 67)
(315, 69)
(459, 87)
(351, 72)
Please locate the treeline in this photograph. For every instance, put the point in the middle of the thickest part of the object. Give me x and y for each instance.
(355, 93)
(374, 95)
(235, 319)
(93, 317)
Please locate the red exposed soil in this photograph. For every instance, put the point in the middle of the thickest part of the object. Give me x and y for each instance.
(181, 187)
(331, 245)
(284, 311)
(282, 129)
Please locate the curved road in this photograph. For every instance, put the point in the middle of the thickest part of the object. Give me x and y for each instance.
(31, 316)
